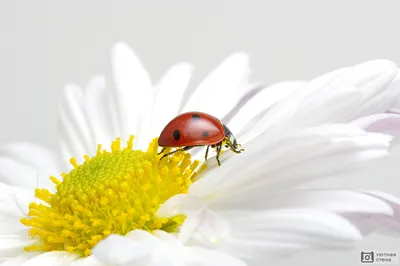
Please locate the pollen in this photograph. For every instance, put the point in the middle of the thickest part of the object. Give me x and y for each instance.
(114, 192)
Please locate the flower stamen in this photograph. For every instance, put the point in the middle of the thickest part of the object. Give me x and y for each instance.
(114, 192)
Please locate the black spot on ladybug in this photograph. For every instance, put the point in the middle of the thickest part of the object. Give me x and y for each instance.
(195, 117)
(205, 134)
(176, 134)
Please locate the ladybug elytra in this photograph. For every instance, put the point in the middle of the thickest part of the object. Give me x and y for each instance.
(194, 129)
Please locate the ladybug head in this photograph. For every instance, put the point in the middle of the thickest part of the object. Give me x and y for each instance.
(231, 140)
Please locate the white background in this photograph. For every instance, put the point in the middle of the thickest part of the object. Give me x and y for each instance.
(45, 44)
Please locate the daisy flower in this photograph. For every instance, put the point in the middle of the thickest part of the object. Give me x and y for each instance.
(115, 203)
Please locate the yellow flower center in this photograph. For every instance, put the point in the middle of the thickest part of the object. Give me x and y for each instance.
(112, 193)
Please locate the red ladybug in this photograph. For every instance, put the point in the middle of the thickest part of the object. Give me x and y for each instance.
(193, 129)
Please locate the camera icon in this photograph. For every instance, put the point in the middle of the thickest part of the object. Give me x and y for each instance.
(367, 257)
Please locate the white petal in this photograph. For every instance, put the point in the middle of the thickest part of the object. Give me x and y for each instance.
(395, 108)
(311, 154)
(10, 225)
(14, 261)
(221, 89)
(257, 253)
(12, 246)
(96, 112)
(66, 155)
(260, 103)
(165, 237)
(16, 198)
(390, 199)
(88, 261)
(14, 204)
(252, 90)
(17, 174)
(113, 113)
(396, 103)
(52, 258)
(259, 236)
(338, 201)
(198, 256)
(70, 143)
(318, 101)
(120, 250)
(180, 204)
(372, 76)
(171, 90)
(73, 124)
(133, 94)
(383, 123)
(323, 106)
(168, 240)
(10, 220)
(383, 101)
(206, 227)
(373, 79)
(169, 252)
(375, 222)
(295, 222)
(32, 155)
(290, 105)
(142, 236)
(279, 231)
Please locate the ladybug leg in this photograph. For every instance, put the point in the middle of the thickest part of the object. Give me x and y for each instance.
(219, 145)
(172, 152)
(240, 149)
(163, 149)
(235, 148)
(208, 147)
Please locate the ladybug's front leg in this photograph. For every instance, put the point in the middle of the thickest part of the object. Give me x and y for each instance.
(163, 149)
(172, 152)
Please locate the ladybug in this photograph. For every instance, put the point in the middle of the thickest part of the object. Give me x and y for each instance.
(194, 129)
